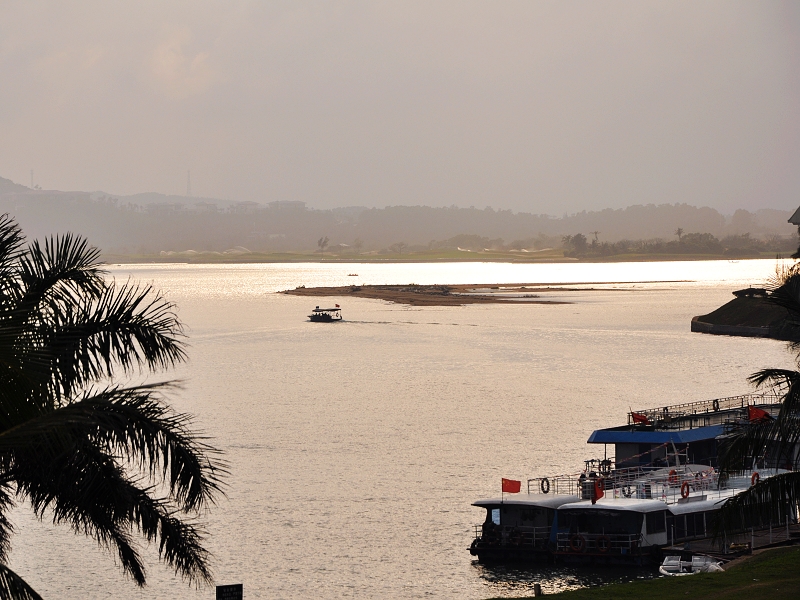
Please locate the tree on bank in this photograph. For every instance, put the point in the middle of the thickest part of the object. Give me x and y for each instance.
(322, 243)
(113, 462)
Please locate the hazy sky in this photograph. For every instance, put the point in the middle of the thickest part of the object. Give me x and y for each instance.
(543, 107)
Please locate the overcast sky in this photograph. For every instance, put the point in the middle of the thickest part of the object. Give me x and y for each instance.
(541, 107)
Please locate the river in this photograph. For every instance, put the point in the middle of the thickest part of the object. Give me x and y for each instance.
(356, 448)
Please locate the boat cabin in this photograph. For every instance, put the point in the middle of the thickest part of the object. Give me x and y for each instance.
(681, 433)
(615, 531)
(517, 528)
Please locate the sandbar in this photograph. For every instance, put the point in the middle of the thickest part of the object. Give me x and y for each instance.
(439, 295)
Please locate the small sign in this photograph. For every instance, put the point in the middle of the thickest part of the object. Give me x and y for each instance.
(230, 592)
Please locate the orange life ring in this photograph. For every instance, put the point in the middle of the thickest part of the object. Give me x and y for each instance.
(577, 543)
(673, 477)
(685, 489)
(754, 479)
(606, 543)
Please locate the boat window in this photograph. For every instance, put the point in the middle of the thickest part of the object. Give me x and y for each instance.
(699, 524)
(656, 522)
(602, 521)
(496, 516)
(680, 526)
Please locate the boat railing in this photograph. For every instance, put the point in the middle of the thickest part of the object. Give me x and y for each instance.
(597, 543)
(703, 407)
(565, 485)
(657, 483)
(523, 536)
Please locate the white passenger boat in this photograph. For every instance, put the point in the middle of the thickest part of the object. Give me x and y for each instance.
(660, 489)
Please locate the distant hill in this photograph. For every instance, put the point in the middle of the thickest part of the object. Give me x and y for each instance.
(151, 223)
(6, 186)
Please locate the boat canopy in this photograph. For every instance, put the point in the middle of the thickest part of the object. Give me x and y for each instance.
(701, 503)
(618, 504)
(631, 435)
(541, 500)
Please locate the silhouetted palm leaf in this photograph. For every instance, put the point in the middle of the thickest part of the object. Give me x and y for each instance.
(114, 463)
(771, 443)
(768, 501)
(13, 587)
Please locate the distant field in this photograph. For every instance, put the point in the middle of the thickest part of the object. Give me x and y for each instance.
(445, 256)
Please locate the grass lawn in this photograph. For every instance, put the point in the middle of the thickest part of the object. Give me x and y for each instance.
(774, 574)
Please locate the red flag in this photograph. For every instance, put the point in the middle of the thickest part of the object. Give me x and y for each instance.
(599, 489)
(511, 486)
(639, 418)
(757, 414)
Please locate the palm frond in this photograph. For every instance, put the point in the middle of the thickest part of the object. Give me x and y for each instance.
(89, 490)
(85, 488)
(130, 422)
(13, 587)
(768, 501)
(11, 241)
(125, 326)
(66, 260)
(778, 378)
(6, 528)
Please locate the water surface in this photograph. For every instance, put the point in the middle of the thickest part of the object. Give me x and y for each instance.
(356, 448)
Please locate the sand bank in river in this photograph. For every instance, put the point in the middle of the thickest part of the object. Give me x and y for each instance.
(440, 295)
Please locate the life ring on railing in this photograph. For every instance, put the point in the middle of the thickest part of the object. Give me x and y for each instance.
(603, 544)
(685, 489)
(673, 477)
(715, 405)
(577, 543)
(545, 486)
(754, 479)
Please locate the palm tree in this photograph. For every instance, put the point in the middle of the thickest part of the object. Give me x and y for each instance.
(679, 233)
(112, 462)
(770, 441)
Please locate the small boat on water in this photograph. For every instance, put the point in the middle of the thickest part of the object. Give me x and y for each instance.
(352, 274)
(673, 566)
(325, 315)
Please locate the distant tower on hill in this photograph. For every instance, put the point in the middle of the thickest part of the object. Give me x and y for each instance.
(188, 183)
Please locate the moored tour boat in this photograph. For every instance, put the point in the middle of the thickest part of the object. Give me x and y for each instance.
(662, 488)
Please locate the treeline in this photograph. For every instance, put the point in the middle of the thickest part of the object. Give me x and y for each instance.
(734, 246)
(121, 226)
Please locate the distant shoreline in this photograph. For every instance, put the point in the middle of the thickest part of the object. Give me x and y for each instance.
(498, 257)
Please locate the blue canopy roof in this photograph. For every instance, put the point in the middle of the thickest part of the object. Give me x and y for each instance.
(640, 436)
